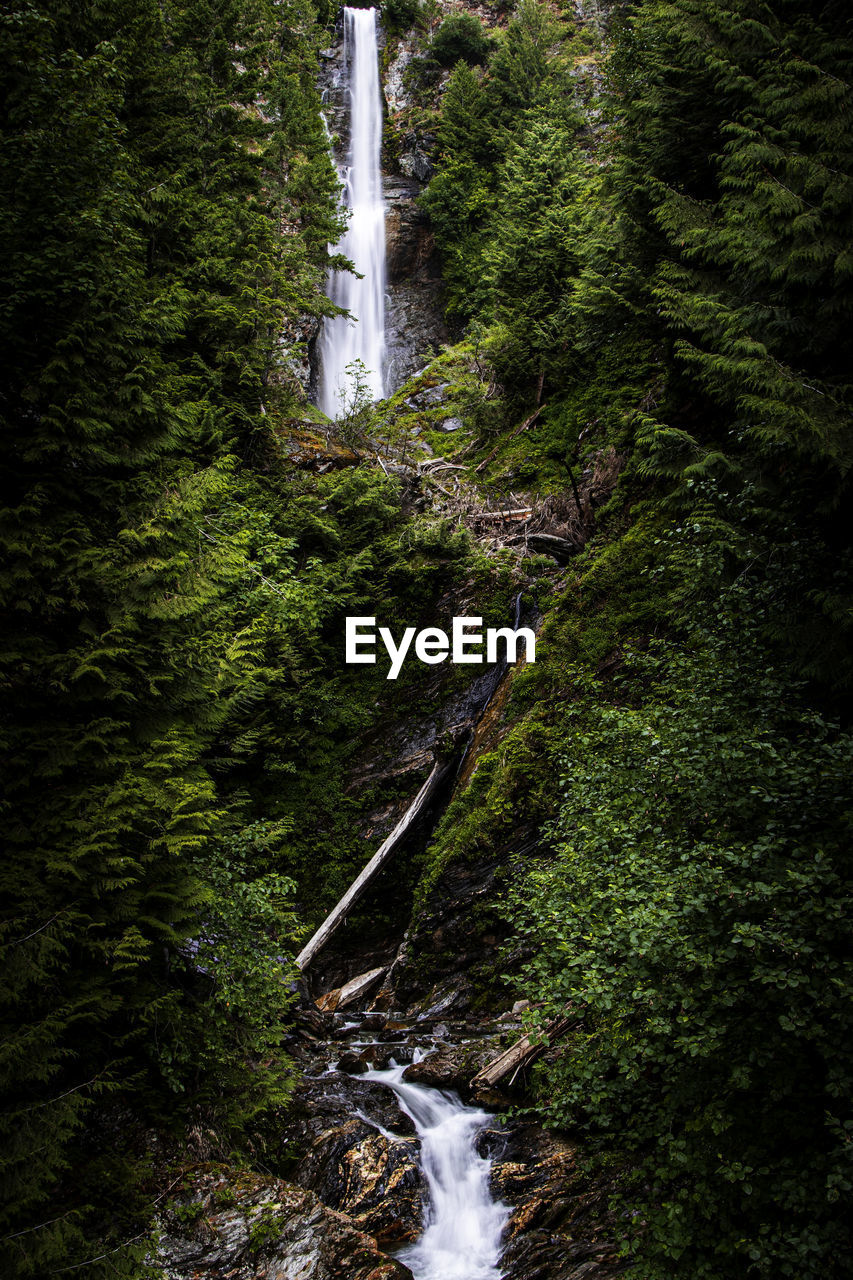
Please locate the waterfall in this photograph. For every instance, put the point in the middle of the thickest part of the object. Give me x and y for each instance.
(462, 1233)
(362, 337)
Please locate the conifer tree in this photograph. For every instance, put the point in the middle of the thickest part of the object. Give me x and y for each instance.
(155, 234)
(532, 252)
(459, 197)
(736, 170)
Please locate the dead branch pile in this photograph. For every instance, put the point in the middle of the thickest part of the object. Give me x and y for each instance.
(557, 524)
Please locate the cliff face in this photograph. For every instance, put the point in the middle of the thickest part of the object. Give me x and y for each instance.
(415, 303)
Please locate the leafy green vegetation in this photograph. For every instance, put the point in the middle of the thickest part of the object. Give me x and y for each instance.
(460, 38)
(399, 15)
(173, 594)
(663, 267)
(147, 280)
(692, 919)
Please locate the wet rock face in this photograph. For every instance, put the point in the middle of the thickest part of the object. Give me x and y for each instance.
(415, 326)
(359, 1155)
(251, 1227)
(331, 1101)
(375, 1180)
(409, 244)
(414, 321)
(560, 1227)
(451, 950)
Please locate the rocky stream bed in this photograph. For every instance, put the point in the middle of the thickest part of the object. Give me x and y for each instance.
(358, 1194)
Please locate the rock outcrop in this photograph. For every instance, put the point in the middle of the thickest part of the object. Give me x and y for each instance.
(450, 954)
(452, 1066)
(374, 1179)
(359, 1154)
(414, 318)
(415, 325)
(227, 1226)
(560, 1228)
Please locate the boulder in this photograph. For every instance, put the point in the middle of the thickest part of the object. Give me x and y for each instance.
(374, 1057)
(452, 1066)
(375, 1180)
(357, 1151)
(304, 445)
(560, 1226)
(326, 1102)
(353, 1063)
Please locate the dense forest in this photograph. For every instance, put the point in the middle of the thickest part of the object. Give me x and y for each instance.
(643, 213)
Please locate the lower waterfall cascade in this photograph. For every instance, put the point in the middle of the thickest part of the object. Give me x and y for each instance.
(463, 1224)
(360, 336)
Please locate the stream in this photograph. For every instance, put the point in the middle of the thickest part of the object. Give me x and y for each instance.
(463, 1224)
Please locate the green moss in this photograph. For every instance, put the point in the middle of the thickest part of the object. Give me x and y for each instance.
(224, 1196)
(509, 789)
(187, 1214)
(612, 599)
(265, 1228)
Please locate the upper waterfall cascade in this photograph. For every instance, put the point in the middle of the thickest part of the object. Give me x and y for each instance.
(362, 336)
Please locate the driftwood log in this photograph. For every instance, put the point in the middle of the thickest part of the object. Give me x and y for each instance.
(350, 991)
(515, 514)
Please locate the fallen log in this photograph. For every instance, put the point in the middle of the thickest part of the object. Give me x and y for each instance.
(339, 913)
(550, 545)
(442, 465)
(521, 1054)
(350, 991)
(440, 488)
(517, 513)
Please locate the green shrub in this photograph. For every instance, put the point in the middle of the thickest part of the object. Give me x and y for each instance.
(400, 15)
(460, 38)
(693, 921)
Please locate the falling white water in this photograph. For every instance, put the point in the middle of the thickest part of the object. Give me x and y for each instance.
(463, 1227)
(361, 337)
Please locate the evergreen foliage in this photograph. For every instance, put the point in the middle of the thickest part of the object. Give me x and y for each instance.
(167, 200)
(173, 595)
(736, 167)
(688, 263)
(532, 245)
(656, 241)
(460, 38)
